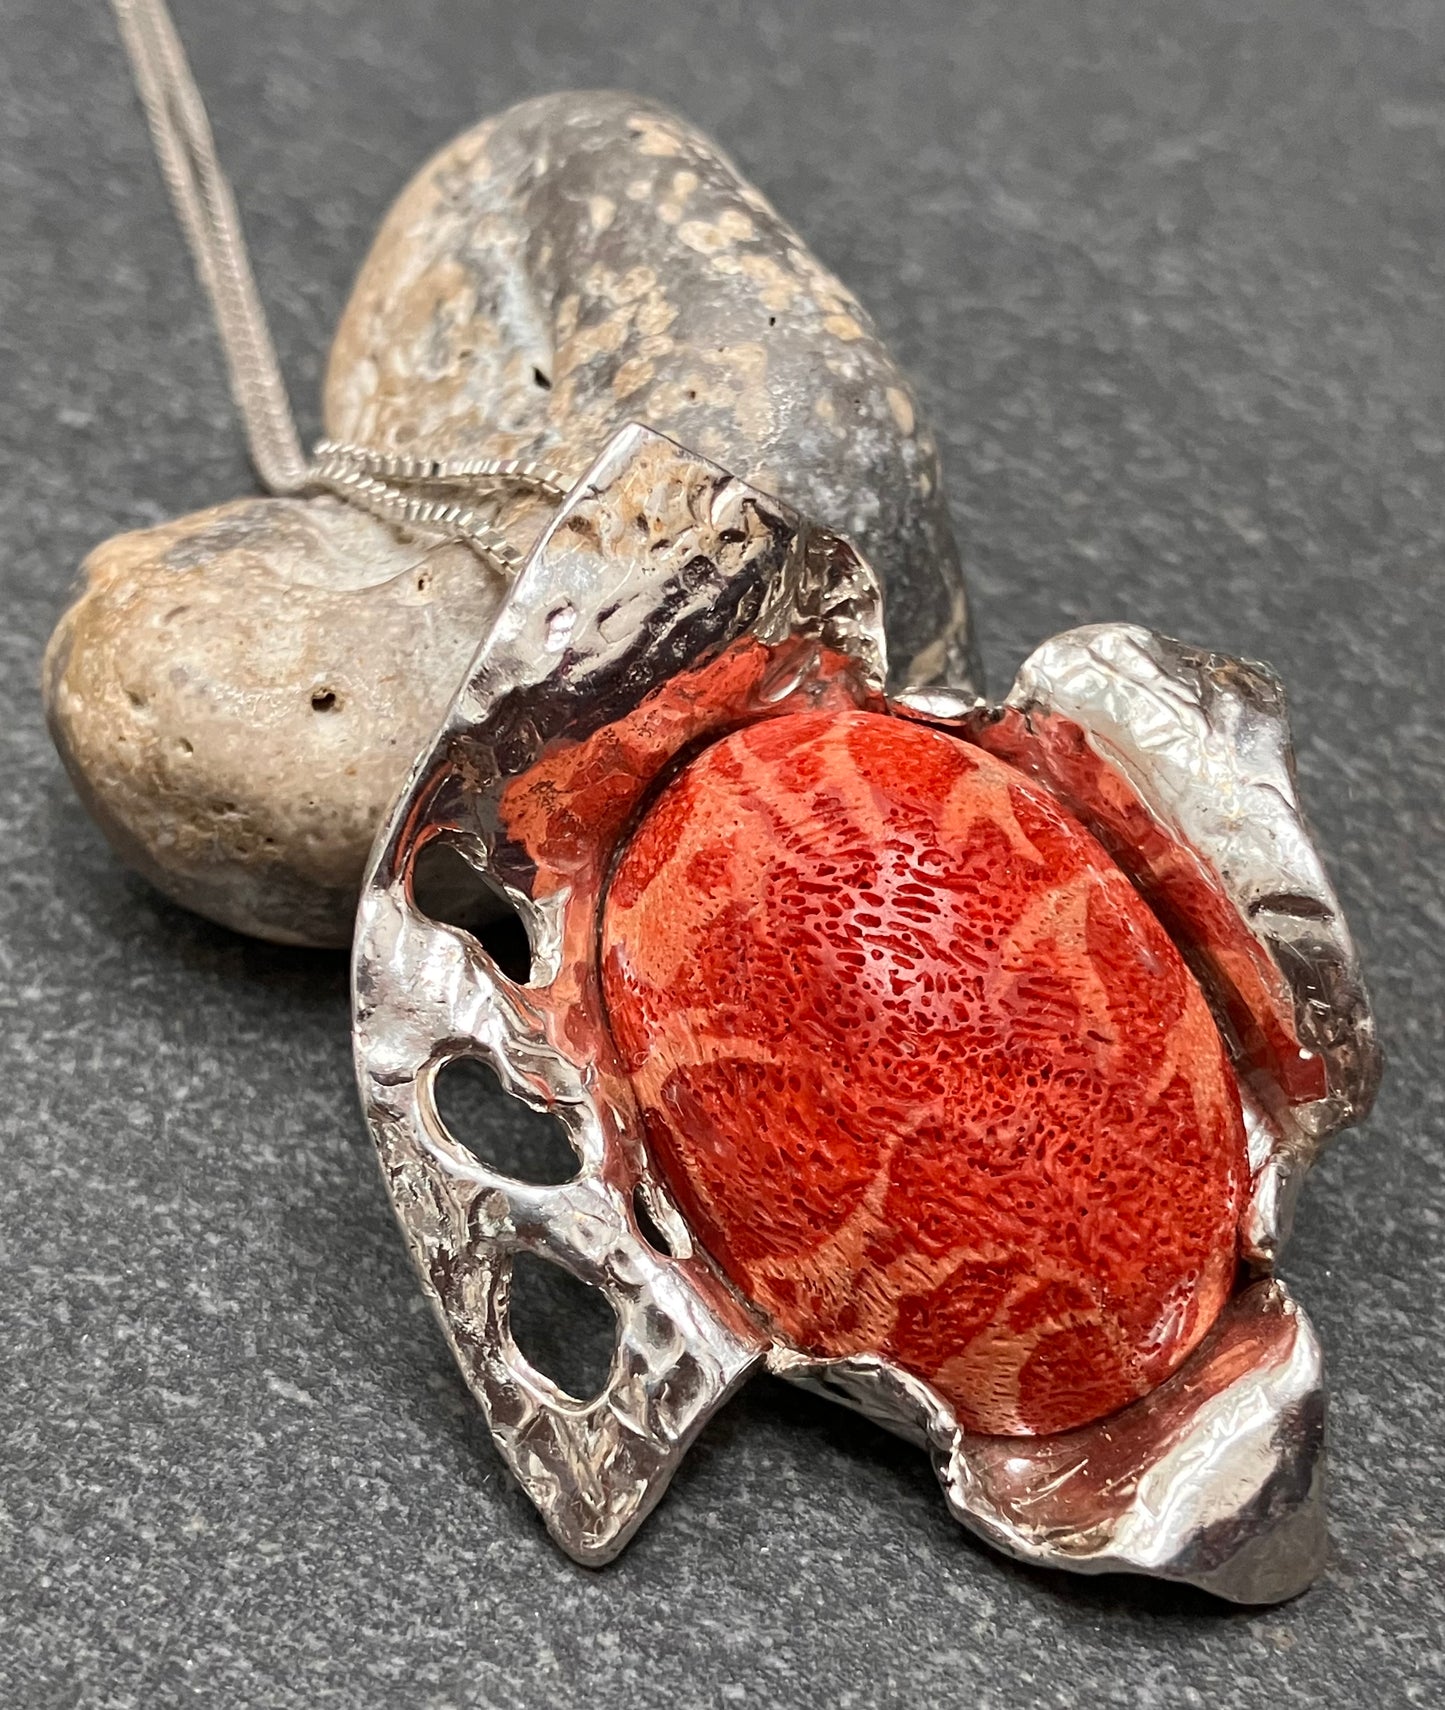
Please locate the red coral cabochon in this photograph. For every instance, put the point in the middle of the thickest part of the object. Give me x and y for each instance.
(926, 1076)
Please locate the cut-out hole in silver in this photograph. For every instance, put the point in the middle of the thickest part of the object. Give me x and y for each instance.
(448, 889)
(1212, 1480)
(562, 1328)
(647, 1224)
(501, 1132)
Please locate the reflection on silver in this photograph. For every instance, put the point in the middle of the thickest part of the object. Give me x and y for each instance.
(657, 561)
(1214, 1479)
(666, 603)
(1180, 761)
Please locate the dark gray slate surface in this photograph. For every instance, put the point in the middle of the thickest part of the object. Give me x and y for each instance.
(1171, 276)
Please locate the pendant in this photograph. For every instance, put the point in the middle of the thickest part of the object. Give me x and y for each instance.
(959, 1062)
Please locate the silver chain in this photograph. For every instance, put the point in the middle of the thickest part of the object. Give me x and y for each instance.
(425, 493)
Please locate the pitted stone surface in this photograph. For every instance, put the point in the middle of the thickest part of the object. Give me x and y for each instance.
(239, 694)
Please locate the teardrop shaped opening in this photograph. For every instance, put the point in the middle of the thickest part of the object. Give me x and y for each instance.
(448, 889)
(563, 1328)
(647, 1224)
(500, 1131)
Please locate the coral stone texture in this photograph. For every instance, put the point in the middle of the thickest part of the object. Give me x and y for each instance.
(238, 694)
(924, 1073)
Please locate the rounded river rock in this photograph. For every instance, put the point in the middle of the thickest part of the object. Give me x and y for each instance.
(239, 694)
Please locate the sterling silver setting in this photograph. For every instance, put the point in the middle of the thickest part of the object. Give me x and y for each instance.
(659, 571)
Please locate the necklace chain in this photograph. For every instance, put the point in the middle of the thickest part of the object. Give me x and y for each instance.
(430, 493)
(425, 493)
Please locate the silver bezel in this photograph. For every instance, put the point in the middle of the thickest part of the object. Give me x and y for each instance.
(658, 569)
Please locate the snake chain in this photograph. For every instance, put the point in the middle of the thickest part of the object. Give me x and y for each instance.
(435, 495)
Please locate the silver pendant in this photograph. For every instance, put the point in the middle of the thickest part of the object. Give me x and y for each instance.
(667, 611)
(668, 592)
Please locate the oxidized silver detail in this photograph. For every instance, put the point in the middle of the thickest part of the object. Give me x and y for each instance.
(659, 573)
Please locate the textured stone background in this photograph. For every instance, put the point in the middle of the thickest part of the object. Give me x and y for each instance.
(1171, 277)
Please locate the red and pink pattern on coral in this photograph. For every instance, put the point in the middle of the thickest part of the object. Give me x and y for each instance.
(926, 1076)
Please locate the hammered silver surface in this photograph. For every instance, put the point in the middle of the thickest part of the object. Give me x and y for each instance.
(1215, 1478)
(656, 561)
(1180, 760)
(660, 568)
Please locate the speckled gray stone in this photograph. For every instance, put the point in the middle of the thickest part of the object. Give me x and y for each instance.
(1171, 276)
(239, 694)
